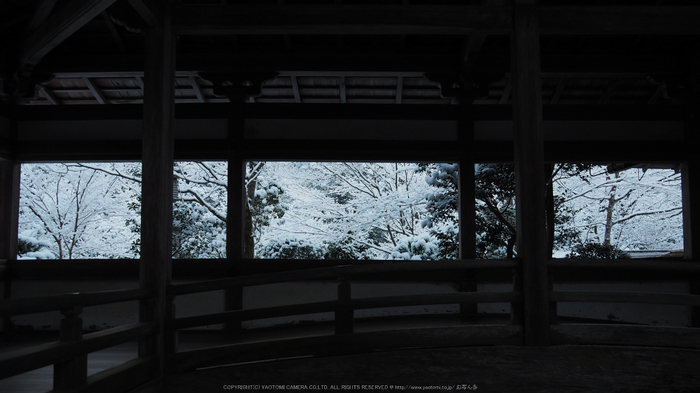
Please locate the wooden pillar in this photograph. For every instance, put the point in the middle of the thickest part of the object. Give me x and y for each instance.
(529, 173)
(157, 189)
(9, 213)
(233, 297)
(690, 172)
(467, 206)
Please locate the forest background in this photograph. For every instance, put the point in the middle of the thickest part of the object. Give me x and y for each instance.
(347, 210)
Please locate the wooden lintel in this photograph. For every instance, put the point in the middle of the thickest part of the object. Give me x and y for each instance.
(59, 27)
(416, 19)
(619, 20)
(561, 65)
(348, 19)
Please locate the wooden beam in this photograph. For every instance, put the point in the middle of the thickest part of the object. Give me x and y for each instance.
(415, 19)
(59, 27)
(529, 173)
(157, 188)
(619, 20)
(561, 85)
(348, 19)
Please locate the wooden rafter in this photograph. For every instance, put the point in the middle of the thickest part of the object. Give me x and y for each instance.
(197, 89)
(472, 44)
(150, 12)
(343, 93)
(50, 96)
(559, 90)
(608, 92)
(41, 13)
(113, 30)
(58, 27)
(99, 96)
(399, 89)
(295, 89)
(506, 91)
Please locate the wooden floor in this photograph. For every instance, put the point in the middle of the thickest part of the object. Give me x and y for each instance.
(484, 369)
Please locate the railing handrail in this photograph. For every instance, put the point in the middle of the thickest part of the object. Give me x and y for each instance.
(333, 272)
(680, 299)
(354, 304)
(22, 306)
(28, 359)
(676, 266)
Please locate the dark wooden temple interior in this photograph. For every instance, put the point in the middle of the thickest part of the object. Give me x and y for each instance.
(468, 81)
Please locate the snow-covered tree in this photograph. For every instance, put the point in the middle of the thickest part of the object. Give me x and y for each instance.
(79, 212)
(357, 210)
(635, 209)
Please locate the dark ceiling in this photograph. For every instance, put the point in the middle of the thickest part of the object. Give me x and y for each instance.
(286, 51)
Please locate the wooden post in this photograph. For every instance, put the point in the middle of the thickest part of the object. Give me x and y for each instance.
(233, 297)
(467, 206)
(344, 314)
(690, 173)
(157, 190)
(529, 172)
(71, 374)
(9, 213)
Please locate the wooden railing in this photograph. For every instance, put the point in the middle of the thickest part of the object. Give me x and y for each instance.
(343, 308)
(646, 271)
(69, 354)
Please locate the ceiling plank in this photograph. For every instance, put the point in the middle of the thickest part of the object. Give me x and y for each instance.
(348, 19)
(59, 27)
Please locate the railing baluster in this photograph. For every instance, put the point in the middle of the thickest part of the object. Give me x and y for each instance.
(344, 314)
(71, 374)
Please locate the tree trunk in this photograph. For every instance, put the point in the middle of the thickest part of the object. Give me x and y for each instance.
(609, 214)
